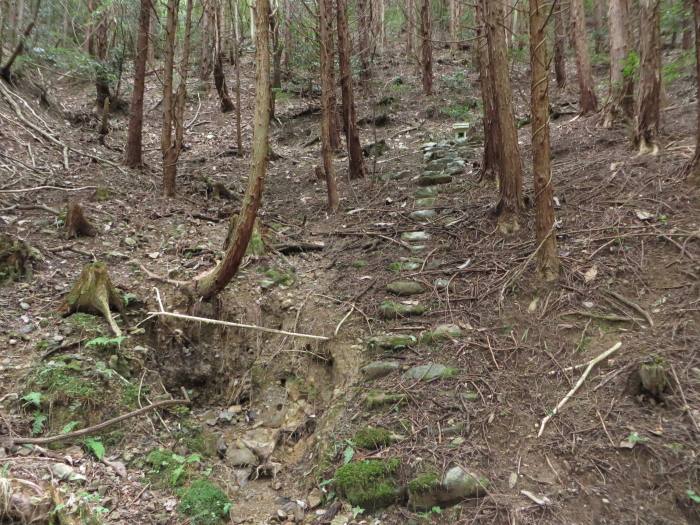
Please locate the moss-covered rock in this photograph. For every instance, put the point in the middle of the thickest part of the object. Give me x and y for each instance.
(204, 503)
(370, 484)
(408, 265)
(405, 287)
(378, 399)
(415, 236)
(441, 333)
(423, 215)
(371, 438)
(390, 341)
(426, 202)
(430, 179)
(430, 372)
(393, 310)
(427, 490)
(377, 369)
(426, 191)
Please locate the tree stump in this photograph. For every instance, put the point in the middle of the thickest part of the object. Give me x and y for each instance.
(76, 223)
(15, 258)
(654, 376)
(94, 292)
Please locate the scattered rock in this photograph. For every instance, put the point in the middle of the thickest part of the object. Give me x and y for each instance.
(66, 473)
(370, 484)
(377, 369)
(241, 456)
(377, 399)
(441, 333)
(427, 490)
(391, 342)
(430, 372)
(415, 236)
(432, 180)
(408, 265)
(426, 202)
(427, 191)
(314, 498)
(392, 310)
(420, 215)
(405, 287)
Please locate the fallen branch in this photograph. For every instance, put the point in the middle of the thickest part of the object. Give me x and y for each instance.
(632, 305)
(37, 188)
(578, 384)
(96, 428)
(235, 325)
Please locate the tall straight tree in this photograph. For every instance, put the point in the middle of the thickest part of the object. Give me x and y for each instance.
(560, 43)
(541, 161)
(426, 47)
(216, 15)
(621, 99)
(694, 166)
(489, 164)
(174, 102)
(325, 10)
(210, 284)
(352, 137)
(364, 21)
(133, 157)
(648, 101)
(509, 164)
(587, 98)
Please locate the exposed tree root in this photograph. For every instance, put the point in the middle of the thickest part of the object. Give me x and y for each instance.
(94, 292)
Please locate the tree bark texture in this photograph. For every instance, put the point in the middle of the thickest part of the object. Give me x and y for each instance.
(621, 99)
(695, 163)
(214, 282)
(426, 47)
(216, 14)
(352, 137)
(133, 157)
(327, 106)
(541, 153)
(510, 166)
(364, 14)
(560, 43)
(587, 98)
(489, 164)
(648, 102)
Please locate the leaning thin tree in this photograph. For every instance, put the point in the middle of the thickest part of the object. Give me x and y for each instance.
(210, 284)
(541, 161)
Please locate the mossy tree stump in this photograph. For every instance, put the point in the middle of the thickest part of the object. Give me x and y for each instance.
(15, 258)
(94, 292)
(76, 223)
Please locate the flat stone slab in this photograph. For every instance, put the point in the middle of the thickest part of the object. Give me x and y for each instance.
(422, 215)
(441, 333)
(415, 236)
(391, 341)
(377, 369)
(432, 180)
(428, 191)
(392, 310)
(399, 266)
(430, 372)
(425, 202)
(405, 288)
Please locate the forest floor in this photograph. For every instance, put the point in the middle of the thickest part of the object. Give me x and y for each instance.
(628, 232)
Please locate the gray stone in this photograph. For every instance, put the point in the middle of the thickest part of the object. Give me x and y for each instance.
(377, 369)
(430, 372)
(241, 457)
(432, 180)
(427, 191)
(425, 492)
(441, 332)
(415, 236)
(405, 288)
(416, 248)
(443, 284)
(392, 310)
(400, 175)
(377, 399)
(391, 341)
(422, 215)
(426, 202)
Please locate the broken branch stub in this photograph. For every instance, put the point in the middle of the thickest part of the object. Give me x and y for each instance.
(94, 292)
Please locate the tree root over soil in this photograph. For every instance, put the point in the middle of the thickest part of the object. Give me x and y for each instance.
(94, 292)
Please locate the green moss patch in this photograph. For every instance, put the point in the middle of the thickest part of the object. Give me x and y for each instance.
(424, 483)
(204, 503)
(370, 484)
(393, 310)
(372, 438)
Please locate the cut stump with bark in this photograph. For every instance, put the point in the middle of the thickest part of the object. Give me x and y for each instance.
(76, 223)
(15, 258)
(94, 292)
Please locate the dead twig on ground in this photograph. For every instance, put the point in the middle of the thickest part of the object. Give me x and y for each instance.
(632, 305)
(578, 384)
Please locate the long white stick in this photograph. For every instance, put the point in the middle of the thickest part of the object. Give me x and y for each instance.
(237, 325)
(578, 384)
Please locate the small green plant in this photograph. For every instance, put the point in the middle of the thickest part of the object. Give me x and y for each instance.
(38, 422)
(693, 496)
(204, 503)
(105, 343)
(168, 468)
(33, 399)
(369, 484)
(95, 447)
(429, 514)
(630, 66)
